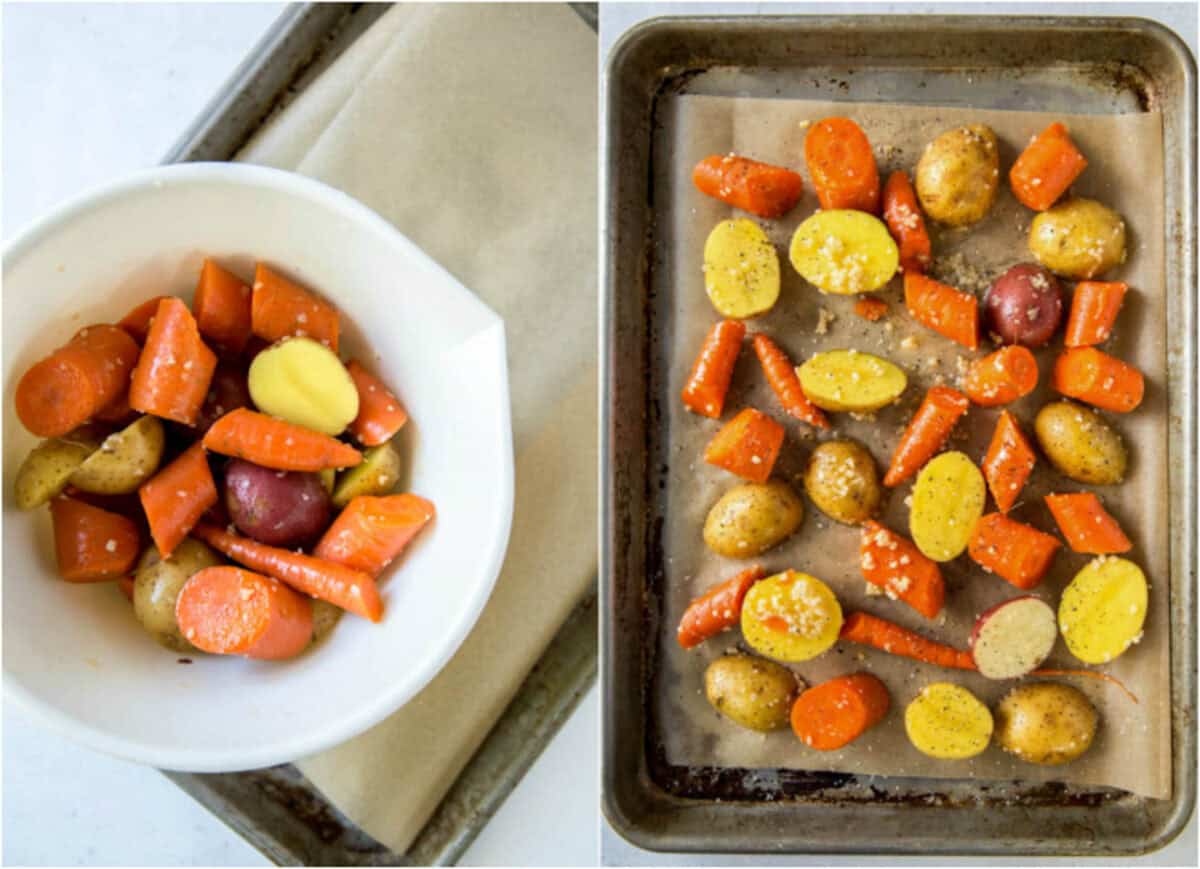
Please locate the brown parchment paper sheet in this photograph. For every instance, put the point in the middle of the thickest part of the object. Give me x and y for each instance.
(1133, 746)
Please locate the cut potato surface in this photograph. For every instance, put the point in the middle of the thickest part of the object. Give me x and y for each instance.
(851, 381)
(741, 269)
(947, 501)
(1014, 638)
(1102, 611)
(303, 382)
(948, 722)
(125, 459)
(791, 617)
(844, 252)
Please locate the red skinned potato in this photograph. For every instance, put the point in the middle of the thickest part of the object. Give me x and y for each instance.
(1024, 306)
(1014, 638)
(278, 508)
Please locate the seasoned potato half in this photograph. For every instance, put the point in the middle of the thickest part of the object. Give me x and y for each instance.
(1079, 238)
(1045, 723)
(791, 617)
(376, 475)
(124, 461)
(156, 587)
(750, 691)
(48, 467)
(302, 381)
(958, 175)
(1080, 444)
(844, 252)
(948, 722)
(741, 269)
(1103, 609)
(841, 479)
(851, 381)
(947, 501)
(751, 518)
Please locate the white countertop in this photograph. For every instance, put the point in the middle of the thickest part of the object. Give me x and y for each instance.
(92, 92)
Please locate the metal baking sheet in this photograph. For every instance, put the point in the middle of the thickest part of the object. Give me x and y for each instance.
(1049, 64)
(277, 810)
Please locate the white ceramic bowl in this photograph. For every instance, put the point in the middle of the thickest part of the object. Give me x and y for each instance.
(74, 654)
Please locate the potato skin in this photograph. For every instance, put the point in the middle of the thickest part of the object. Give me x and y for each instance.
(751, 518)
(125, 459)
(377, 474)
(842, 481)
(1045, 723)
(1079, 238)
(279, 508)
(750, 691)
(958, 175)
(45, 471)
(1024, 306)
(156, 587)
(1080, 444)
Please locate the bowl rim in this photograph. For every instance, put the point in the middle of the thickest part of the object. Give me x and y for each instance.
(354, 722)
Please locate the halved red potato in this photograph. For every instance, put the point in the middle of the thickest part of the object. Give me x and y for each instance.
(1014, 637)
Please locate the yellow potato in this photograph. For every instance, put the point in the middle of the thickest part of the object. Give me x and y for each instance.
(750, 691)
(844, 252)
(1102, 611)
(156, 587)
(948, 722)
(124, 461)
(958, 175)
(791, 617)
(947, 501)
(1080, 444)
(328, 478)
(1079, 238)
(377, 474)
(841, 479)
(325, 617)
(741, 269)
(302, 381)
(751, 518)
(847, 380)
(48, 467)
(1046, 723)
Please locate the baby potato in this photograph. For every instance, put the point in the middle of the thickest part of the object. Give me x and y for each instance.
(325, 617)
(156, 586)
(841, 479)
(847, 380)
(947, 501)
(741, 269)
(1046, 723)
(844, 252)
(1079, 238)
(302, 381)
(751, 518)
(48, 467)
(125, 459)
(377, 474)
(948, 722)
(958, 175)
(1103, 609)
(791, 617)
(750, 691)
(1080, 444)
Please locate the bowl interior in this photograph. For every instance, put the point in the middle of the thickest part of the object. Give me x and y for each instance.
(74, 653)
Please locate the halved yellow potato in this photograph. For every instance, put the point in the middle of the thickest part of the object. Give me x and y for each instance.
(947, 501)
(948, 722)
(844, 252)
(848, 380)
(791, 617)
(377, 474)
(1102, 610)
(741, 269)
(125, 459)
(304, 382)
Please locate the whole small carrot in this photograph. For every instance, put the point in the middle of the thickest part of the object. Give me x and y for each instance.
(760, 188)
(230, 611)
(893, 563)
(222, 308)
(781, 374)
(704, 392)
(833, 714)
(842, 165)
(380, 413)
(951, 313)
(1094, 309)
(273, 443)
(718, 609)
(1001, 377)
(175, 367)
(372, 530)
(1101, 380)
(906, 223)
(869, 630)
(1017, 552)
(871, 308)
(90, 544)
(1049, 165)
(1086, 525)
(176, 497)
(1009, 462)
(747, 445)
(926, 432)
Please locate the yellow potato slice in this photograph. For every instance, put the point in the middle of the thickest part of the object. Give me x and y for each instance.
(791, 617)
(947, 501)
(844, 252)
(948, 722)
(1102, 611)
(741, 269)
(303, 382)
(847, 380)
(125, 459)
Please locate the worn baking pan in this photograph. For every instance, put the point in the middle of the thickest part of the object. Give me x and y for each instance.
(1050, 64)
(277, 810)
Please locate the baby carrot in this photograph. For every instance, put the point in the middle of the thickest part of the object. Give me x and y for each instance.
(137, 321)
(869, 630)
(90, 544)
(870, 308)
(273, 443)
(906, 223)
(760, 188)
(718, 609)
(1012, 550)
(833, 714)
(704, 392)
(176, 497)
(1086, 525)
(1009, 462)
(947, 311)
(926, 432)
(897, 566)
(747, 445)
(230, 611)
(380, 413)
(1094, 309)
(842, 165)
(222, 308)
(998, 378)
(372, 530)
(79, 379)
(280, 308)
(1049, 165)
(175, 368)
(781, 374)
(1101, 380)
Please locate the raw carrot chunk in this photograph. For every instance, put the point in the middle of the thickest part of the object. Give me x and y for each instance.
(176, 497)
(1094, 309)
(893, 563)
(704, 392)
(718, 609)
(781, 374)
(869, 630)
(1009, 462)
(380, 413)
(1101, 380)
(230, 611)
(842, 165)
(175, 367)
(280, 308)
(91, 544)
(273, 443)
(1049, 165)
(926, 432)
(1001, 377)
(137, 321)
(870, 308)
(1086, 525)
(760, 188)
(747, 445)
(222, 308)
(833, 714)
(1012, 550)
(906, 223)
(373, 530)
(947, 311)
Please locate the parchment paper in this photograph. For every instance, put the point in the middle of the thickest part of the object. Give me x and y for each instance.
(1133, 746)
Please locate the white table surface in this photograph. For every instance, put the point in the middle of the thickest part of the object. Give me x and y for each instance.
(91, 91)
(615, 19)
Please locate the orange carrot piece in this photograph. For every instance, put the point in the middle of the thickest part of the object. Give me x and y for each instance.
(380, 413)
(781, 374)
(137, 322)
(906, 223)
(373, 530)
(176, 497)
(273, 443)
(894, 564)
(998, 378)
(90, 544)
(871, 308)
(175, 368)
(1049, 165)
(1009, 462)
(704, 392)
(280, 308)
(125, 583)
(718, 609)
(747, 445)
(869, 630)
(1012, 550)
(951, 313)
(760, 188)
(64, 390)
(833, 714)
(1094, 309)
(1086, 525)
(117, 412)
(926, 432)
(1101, 380)
(230, 611)
(842, 165)
(222, 308)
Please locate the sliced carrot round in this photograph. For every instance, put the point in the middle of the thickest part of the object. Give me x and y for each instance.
(833, 714)
(230, 611)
